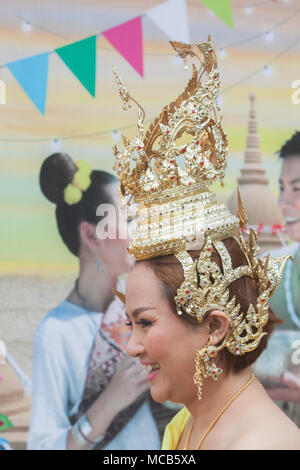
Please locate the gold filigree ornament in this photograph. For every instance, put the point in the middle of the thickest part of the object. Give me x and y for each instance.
(177, 212)
(203, 368)
(212, 292)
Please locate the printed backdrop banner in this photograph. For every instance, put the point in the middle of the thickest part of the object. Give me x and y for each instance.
(127, 39)
(80, 57)
(32, 75)
(171, 17)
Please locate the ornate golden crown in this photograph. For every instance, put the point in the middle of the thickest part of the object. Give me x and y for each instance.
(194, 112)
(174, 205)
(176, 211)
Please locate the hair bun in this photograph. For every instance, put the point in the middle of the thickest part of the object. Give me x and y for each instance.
(56, 173)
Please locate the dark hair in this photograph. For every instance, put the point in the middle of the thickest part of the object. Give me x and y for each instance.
(291, 146)
(56, 173)
(168, 271)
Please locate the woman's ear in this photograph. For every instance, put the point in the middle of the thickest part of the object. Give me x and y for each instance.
(218, 324)
(88, 236)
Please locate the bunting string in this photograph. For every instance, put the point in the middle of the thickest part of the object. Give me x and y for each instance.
(80, 56)
(127, 38)
(226, 46)
(275, 58)
(259, 35)
(110, 131)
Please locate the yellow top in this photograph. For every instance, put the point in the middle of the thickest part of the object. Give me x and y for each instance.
(174, 430)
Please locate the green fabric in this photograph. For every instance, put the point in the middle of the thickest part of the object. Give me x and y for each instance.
(80, 57)
(278, 300)
(4, 423)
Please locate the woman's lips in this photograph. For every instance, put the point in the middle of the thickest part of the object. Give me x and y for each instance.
(152, 368)
(152, 374)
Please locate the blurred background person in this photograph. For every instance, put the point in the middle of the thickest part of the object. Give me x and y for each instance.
(87, 393)
(282, 348)
(286, 300)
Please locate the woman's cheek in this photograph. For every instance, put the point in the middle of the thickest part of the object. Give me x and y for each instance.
(298, 203)
(156, 342)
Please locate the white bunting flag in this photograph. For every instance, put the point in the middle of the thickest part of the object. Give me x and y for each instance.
(171, 17)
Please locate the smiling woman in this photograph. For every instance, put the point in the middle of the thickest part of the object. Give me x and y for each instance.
(289, 182)
(166, 344)
(198, 297)
(168, 271)
(286, 300)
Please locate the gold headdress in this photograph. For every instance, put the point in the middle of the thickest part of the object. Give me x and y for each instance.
(176, 211)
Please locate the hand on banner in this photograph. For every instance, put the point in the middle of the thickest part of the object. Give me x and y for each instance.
(128, 383)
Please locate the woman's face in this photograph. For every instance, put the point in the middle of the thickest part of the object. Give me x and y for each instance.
(161, 340)
(289, 199)
(114, 254)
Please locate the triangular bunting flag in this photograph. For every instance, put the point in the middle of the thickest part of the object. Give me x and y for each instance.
(222, 8)
(127, 38)
(32, 75)
(171, 17)
(80, 57)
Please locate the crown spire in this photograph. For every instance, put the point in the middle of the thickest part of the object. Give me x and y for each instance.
(156, 154)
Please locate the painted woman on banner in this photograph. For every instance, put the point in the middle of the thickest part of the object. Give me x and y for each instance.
(87, 392)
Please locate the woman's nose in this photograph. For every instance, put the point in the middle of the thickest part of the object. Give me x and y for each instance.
(134, 346)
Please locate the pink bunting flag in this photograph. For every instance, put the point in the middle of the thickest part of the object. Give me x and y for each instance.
(127, 39)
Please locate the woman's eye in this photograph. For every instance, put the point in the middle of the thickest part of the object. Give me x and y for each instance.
(144, 323)
(296, 189)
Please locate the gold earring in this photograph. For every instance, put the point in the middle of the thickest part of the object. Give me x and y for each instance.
(203, 369)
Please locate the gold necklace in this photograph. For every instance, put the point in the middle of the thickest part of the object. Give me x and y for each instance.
(217, 417)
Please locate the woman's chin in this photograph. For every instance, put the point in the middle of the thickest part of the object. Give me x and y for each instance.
(159, 396)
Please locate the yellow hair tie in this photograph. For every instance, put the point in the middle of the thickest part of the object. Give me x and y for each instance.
(80, 182)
